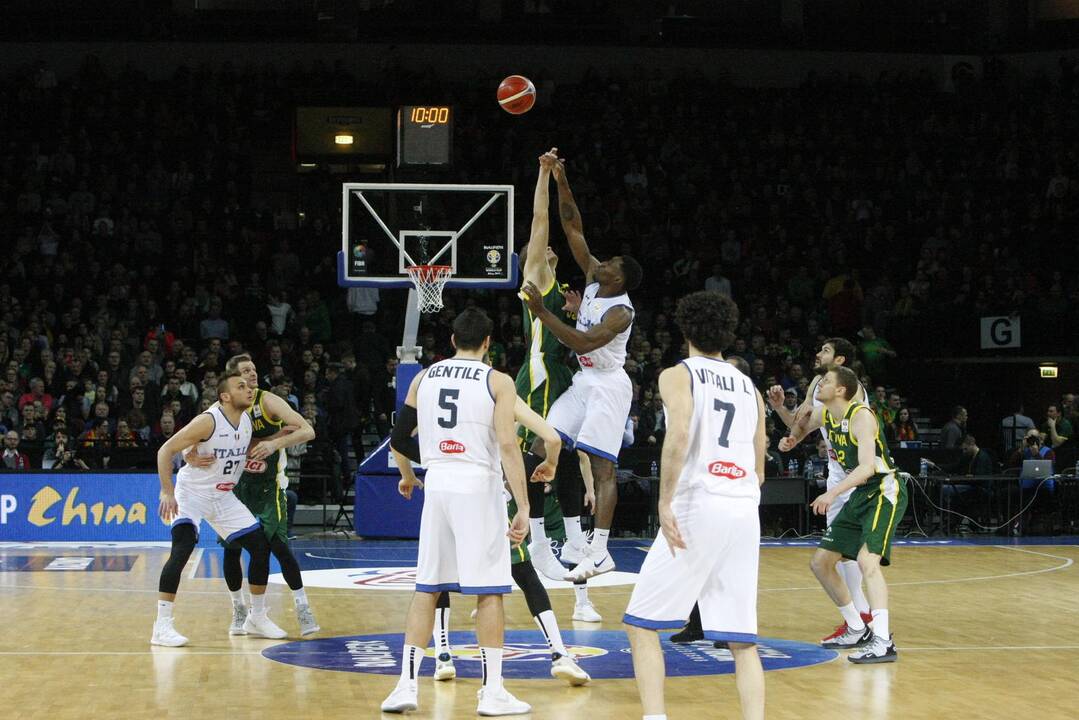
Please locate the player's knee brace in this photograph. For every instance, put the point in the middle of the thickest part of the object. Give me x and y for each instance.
(570, 484)
(535, 594)
(443, 600)
(290, 569)
(232, 568)
(184, 539)
(258, 568)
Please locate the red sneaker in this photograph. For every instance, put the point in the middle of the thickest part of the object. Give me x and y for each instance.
(840, 631)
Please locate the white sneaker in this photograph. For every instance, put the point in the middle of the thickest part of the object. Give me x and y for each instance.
(500, 702)
(596, 562)
(165, 634)
(543, 559)
(239, 615)
(307, 621)
(566, 667)
(404, 698)
(444, 669)
(263, 626)
(586, 612)
(574, 553)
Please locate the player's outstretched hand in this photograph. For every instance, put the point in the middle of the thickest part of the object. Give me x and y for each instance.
(192, 458)
(559, 170)
(549, 159)
(533, 297)
(822, 503)
(669, 526)
(787, 444)
(573, 302)
(263, 450)
(167, 508)
(406, 486)
(544, 472)
(518, 528)
(776, 394)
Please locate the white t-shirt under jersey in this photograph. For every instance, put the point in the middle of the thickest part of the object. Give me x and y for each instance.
(721, 458)
(613, 354)
(228, 444)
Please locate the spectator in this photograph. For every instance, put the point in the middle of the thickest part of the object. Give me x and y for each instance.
(37, 393)
(951, 435)
(903, 429)
(1033, 448)
(817, 464)
(876, 353)
(13, 459)
(340, 403)
(61, 456)
(976, 461)
(214, 326)
(1058, 429)
(9, 412)
(1014, 428)
(717, 281)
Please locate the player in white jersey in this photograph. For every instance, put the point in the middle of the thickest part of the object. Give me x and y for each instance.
(464, 412)
(205, 493)
(591, 415)
(711, 469)
(834, 351)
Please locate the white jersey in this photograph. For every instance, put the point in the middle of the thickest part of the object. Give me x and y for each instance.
(228, 444)
(613, 354)
(455, 415)
(836, 473)
(721, 458)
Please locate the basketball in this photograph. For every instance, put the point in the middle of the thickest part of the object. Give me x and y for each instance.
(516, 94)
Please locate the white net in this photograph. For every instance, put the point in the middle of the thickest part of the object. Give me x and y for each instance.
(429, 281)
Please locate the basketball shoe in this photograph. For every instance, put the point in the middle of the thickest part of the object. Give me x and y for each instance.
(239, 615)
(444, 669)
(595, 562)
(165, 634)
(307, 621)
(878, 650)
(586, 612)
(263, 626)
(499, 701)
(840, 629)
(566, 667)
(543, 559)
(404, 698)
(850, 639)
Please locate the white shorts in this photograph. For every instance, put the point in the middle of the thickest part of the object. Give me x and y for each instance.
(463, 545)
(222, 510)
(591, 415)
(717, 570)
(834, 508)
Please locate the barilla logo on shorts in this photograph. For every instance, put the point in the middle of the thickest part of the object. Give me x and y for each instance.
(225, 486)
(255, 466)
(451, 447)
(726, 469)
(584, 360)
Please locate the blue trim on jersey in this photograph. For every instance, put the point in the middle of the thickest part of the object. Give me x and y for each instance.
(245, 531)
(750, 638)
(486, 590)
(652, 624)
(234, 427)
(566, 439)
(211, 436)
(690, 370)
(442, 587)
(488, 384)
(594, 451)
(632, 312)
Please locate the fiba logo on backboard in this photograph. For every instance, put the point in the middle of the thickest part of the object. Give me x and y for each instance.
(494, 256)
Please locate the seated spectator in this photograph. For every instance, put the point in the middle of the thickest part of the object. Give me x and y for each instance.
(976, 461)
(817, 464)
(951, 435)
(14, 459)
(1058, 429)
(903, 429)
(61, 456)
(36, 394)
(9, 411)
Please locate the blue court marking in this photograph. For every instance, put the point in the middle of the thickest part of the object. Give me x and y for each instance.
(604, 654)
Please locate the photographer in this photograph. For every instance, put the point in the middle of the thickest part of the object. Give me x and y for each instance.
(1033, 447)
(60, 456)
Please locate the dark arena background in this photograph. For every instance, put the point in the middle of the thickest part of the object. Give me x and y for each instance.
(186, 181)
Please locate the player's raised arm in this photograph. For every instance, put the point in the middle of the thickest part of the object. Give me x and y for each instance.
(799, 432)
(552, 441)
(801, 414)
(570, 217)
(196, 431)
(536, 268)
(614, 322)
(279, 408)
(677, 395)
(513, 466)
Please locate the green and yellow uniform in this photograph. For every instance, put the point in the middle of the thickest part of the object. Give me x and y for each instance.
(259, 487)
(874, 509)
(545, 373)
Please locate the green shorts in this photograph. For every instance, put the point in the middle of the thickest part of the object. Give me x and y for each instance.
(869, 518)
(559, 378)
(552, 517)
(267, 502)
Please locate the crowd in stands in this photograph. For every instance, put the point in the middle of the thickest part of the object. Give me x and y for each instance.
(140, 251)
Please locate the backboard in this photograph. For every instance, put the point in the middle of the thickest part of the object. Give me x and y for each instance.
(386, 227)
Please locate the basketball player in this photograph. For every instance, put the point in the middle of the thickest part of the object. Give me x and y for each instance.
(223, 432)
(834, 351)
(710, 476)
(464, 412)
(591, 415)
(524, 573)
(864, 527)
(542, 379)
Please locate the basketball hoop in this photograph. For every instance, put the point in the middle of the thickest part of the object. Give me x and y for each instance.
(429, 281)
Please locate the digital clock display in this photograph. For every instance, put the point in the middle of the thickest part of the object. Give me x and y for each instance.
(430, 115)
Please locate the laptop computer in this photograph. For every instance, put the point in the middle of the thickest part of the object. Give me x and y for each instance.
(1036, 469)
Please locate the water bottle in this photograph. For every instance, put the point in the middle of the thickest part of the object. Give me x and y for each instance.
(792, 468)
(654, 469)
(923, 469)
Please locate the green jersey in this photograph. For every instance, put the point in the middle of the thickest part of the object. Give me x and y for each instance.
(845, 446)
(263, 427)
(545, 374)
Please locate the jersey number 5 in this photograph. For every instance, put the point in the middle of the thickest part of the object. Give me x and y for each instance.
(447, 401)
(728, 417)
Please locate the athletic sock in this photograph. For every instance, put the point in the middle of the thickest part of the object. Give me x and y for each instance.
(599, 539)
(539, 531)
(491, 658)
(164, 609)
(299, 597)
(852, 575)
(880, 625)
(258, 604)
(237, 597)
(581, 591)
(851, 616)
(549, 626)
(442, 631)
(574, 534)
(411, 657)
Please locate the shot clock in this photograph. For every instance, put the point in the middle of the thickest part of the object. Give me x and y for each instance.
(424, 135)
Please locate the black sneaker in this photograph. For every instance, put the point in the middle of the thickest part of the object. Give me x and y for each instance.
(721, 645)
(878, 651)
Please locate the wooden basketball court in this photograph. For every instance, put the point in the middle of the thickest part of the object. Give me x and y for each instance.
(983, 631)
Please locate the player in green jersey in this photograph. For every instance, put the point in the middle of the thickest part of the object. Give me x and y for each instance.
(865, 527)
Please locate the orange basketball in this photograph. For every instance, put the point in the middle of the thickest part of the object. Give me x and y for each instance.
(516, 94)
